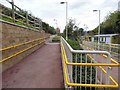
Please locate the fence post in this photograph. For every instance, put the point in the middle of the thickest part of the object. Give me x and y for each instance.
(13, 12)
(110, 47)
(40, 24)
(27, 22)
(71, 68)
(34, 23)
(110, 44)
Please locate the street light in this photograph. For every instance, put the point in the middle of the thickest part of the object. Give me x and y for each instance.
(66, 16)
(85, 27)
(56, 23)
(99, 26)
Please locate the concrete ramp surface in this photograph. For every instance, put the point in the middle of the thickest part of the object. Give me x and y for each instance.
(42, 69)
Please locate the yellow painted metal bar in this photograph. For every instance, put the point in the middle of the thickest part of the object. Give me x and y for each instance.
(89, 64)
(99, 66)
(14, 46)
(64, 65)
(102, 49)
(105, 72)
(114, 61)
(108, 45)
(92, 85)
(111, 59)
(20, 52)
(64, 58)
(114, 81)
(116, 53)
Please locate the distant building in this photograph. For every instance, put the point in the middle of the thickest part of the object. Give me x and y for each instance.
(104, 38)
(57, 30)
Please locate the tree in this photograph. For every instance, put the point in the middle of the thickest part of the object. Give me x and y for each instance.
(8, 12)
(69, 29)
(74, 32)
(110, 25)
(47, 28)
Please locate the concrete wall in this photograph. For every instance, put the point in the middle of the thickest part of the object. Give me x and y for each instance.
(14, 34)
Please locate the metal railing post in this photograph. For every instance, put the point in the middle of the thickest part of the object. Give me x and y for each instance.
(110, 47)
(80, 78)
(75, 71)
(71, 59)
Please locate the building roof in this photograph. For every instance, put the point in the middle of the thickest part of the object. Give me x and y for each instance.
(106, 35)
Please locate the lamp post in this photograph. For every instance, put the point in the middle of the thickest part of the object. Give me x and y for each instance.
(98, 27)
(86, 27)
(66, 17)
(55, 23)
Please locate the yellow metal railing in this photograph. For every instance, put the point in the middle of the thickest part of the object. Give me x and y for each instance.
(41, 40)
(114, 61)
(69, 64)
(113, 49)
(17, 45)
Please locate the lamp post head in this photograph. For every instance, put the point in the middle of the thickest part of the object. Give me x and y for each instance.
(95, 10)
(62, 2)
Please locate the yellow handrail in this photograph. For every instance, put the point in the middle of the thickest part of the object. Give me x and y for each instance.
(65, 63)
(14, 46)
(114, 61)
(105, 50)
(13, 55)
(105, 44)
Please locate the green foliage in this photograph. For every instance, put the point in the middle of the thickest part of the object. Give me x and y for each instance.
(74, 35)
(5, 10)
(47, 28)
(60, 34)
(74, 44)
(91, 72)
(8, 12)
(69, 29)
(6, 19)
(111, 24)
(56, 39)
(51, 30)
(73, 31)
(115, 40)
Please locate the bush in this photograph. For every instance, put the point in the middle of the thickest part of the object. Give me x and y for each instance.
(115, 39)
(56, 39)
(74, 44)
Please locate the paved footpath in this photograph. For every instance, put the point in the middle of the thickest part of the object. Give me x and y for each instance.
(42, 69)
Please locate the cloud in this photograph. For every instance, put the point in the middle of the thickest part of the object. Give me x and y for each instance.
(81, 10)
(77, 5)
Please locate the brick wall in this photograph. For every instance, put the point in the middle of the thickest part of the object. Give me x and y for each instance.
(14, 34)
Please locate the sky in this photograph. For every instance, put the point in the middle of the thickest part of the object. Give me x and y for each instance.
(81, 11)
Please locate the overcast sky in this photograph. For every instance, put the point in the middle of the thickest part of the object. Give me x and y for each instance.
(79, 10)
